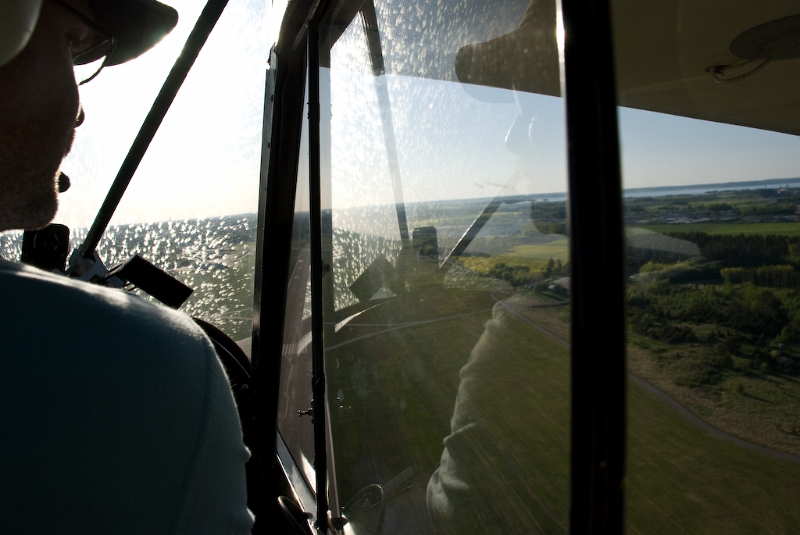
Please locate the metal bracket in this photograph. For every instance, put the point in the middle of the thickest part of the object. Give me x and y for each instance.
(337, 522)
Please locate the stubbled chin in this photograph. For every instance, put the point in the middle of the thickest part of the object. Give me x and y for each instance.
(42, 206)
(30, 219)
(43, 213)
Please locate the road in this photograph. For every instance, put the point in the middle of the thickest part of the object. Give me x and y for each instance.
(670, 401)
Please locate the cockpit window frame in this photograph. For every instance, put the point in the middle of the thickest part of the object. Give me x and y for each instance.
(598, 310)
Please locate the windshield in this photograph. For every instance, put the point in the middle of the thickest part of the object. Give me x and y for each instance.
(447, 312)
(448, 252)
(712, 230)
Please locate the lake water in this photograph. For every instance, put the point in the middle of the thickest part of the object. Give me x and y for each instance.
(697, 189)
(216, 256)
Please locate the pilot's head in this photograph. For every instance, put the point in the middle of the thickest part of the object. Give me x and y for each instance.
(48, 48)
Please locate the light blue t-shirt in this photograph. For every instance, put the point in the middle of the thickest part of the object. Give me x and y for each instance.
(115, 415)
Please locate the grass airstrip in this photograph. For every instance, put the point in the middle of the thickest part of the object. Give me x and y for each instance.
(681, 479)
(535, 257)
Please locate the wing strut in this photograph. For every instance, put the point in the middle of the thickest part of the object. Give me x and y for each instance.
(202, 28)
(370, 21)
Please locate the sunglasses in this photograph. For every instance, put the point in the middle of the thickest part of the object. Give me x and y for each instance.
(90, 46)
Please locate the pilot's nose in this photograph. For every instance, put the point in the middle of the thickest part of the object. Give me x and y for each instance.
(81, 117)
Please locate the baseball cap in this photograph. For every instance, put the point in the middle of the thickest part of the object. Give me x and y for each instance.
(525, 59)
(137, 25)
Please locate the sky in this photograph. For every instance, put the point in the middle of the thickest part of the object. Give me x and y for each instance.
(205, 159)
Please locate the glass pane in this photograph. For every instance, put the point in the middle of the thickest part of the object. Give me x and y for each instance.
(190, 208)
(296, 395)
(709, 149)
(447, 312)
(11, 245)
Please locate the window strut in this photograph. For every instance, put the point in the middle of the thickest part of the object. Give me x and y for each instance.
(369, 19)
(317, 270)
(598, 270)
(194, 43)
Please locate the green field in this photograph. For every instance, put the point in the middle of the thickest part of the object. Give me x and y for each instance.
(781, 229)
(555, 250)
(684, 480)
(533, 256)
(401, 386)
(398, 368)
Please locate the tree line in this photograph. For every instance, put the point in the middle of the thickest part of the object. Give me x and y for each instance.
(743, 250)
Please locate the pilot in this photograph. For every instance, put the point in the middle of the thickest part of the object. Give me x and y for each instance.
(115, 414)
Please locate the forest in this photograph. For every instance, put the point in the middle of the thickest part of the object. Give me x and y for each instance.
(738, 304)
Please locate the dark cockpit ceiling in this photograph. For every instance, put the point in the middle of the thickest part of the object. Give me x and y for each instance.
(663, 52)
(664, 48)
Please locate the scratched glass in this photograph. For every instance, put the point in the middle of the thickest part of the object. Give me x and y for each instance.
(445, 311)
